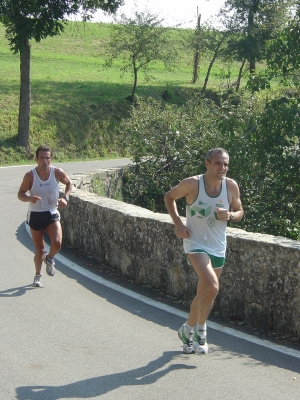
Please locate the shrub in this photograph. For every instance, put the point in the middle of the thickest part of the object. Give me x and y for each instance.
(169, 143)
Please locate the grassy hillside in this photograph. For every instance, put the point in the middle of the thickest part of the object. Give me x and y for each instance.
(77, 102)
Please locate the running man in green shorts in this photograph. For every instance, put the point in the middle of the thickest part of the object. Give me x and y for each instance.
(211, 201)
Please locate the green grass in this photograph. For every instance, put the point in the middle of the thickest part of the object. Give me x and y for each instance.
(78, 103)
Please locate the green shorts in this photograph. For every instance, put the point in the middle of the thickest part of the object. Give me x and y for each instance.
(216, 262)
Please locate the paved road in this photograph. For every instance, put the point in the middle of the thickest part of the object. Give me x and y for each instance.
(79, 339)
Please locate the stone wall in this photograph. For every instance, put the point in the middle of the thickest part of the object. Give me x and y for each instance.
(260, 283)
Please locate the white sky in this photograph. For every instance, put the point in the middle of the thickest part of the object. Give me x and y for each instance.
(173, 11)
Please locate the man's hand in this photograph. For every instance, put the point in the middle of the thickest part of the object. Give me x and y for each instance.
(62, 203)
(34, 199)
(223, 214)
(182, 231)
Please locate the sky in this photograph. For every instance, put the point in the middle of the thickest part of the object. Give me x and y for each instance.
(173, 11)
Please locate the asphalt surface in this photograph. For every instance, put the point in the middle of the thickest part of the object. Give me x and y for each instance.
(81, 338)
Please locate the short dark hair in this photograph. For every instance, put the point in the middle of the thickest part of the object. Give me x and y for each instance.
(43, 148)
(212, 152)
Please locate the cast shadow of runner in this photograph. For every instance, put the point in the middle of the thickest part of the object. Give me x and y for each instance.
(23, 237)
(98, 386)
(17, 291)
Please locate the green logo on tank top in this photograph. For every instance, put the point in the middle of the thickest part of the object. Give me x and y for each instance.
(211, 222)
(201, 209)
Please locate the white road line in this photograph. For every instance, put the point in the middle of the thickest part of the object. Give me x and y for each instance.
(17, 166)
(169, 309)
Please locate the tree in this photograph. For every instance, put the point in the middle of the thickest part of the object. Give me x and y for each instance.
(215, 44)
(196, 44)
(257, 21)
(37, 19)
(286, 49)
(166, 143)
(283, 60)
(139, 41)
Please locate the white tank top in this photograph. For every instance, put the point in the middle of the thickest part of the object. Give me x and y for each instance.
(48, 191)
(207, 232)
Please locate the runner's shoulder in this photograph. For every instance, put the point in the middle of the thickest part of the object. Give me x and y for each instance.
(232, 185)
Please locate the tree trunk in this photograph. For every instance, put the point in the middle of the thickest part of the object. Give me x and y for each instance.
(135, 74)
(197, 56)
(210, 66)
(251, 35)
(25, 94)
(240, 75)
(196, 67)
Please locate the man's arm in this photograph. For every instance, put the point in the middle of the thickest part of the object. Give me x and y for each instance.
(63, 178)
(183, 189)
(236, 208)
(25, 187)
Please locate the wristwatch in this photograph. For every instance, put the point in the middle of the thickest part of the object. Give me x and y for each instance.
(66, 197)
(231, 216)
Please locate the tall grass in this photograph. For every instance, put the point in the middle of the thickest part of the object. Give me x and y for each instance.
(77, 103)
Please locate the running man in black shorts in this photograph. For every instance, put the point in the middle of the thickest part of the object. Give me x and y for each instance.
(42, 183)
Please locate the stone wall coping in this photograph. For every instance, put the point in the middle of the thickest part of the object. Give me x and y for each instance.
(143, 212)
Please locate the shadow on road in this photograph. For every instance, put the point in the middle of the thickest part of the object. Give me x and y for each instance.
(23, 237)
(17, 291)
(94, 387)
(222, 345)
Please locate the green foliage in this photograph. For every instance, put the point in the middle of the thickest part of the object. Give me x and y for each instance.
(169, 143)
(265, 160)
(259, 81)
(276, 189)
(138, 42)
(283, 59)
(256, 22)
(286, 49)
(38, 19)
(166, 143)
(77, 109)
(77, 104)
(25, 20)
(111, 187)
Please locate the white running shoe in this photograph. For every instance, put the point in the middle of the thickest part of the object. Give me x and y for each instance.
(199, 342)
(49, 265)
(37, 280)
(186, 340)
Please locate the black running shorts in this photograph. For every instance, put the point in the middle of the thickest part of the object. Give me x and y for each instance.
(40, 220)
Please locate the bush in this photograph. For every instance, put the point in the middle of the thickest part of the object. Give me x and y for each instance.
(272, 192)
(169, 143)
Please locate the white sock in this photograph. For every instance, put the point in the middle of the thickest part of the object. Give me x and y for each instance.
(200, 327)
(188, 329)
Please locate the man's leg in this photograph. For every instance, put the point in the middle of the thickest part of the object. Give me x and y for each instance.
(193, 315)
(186, 331)
(201, 306)
(207, 289)
(55, 234)
(39, 245)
